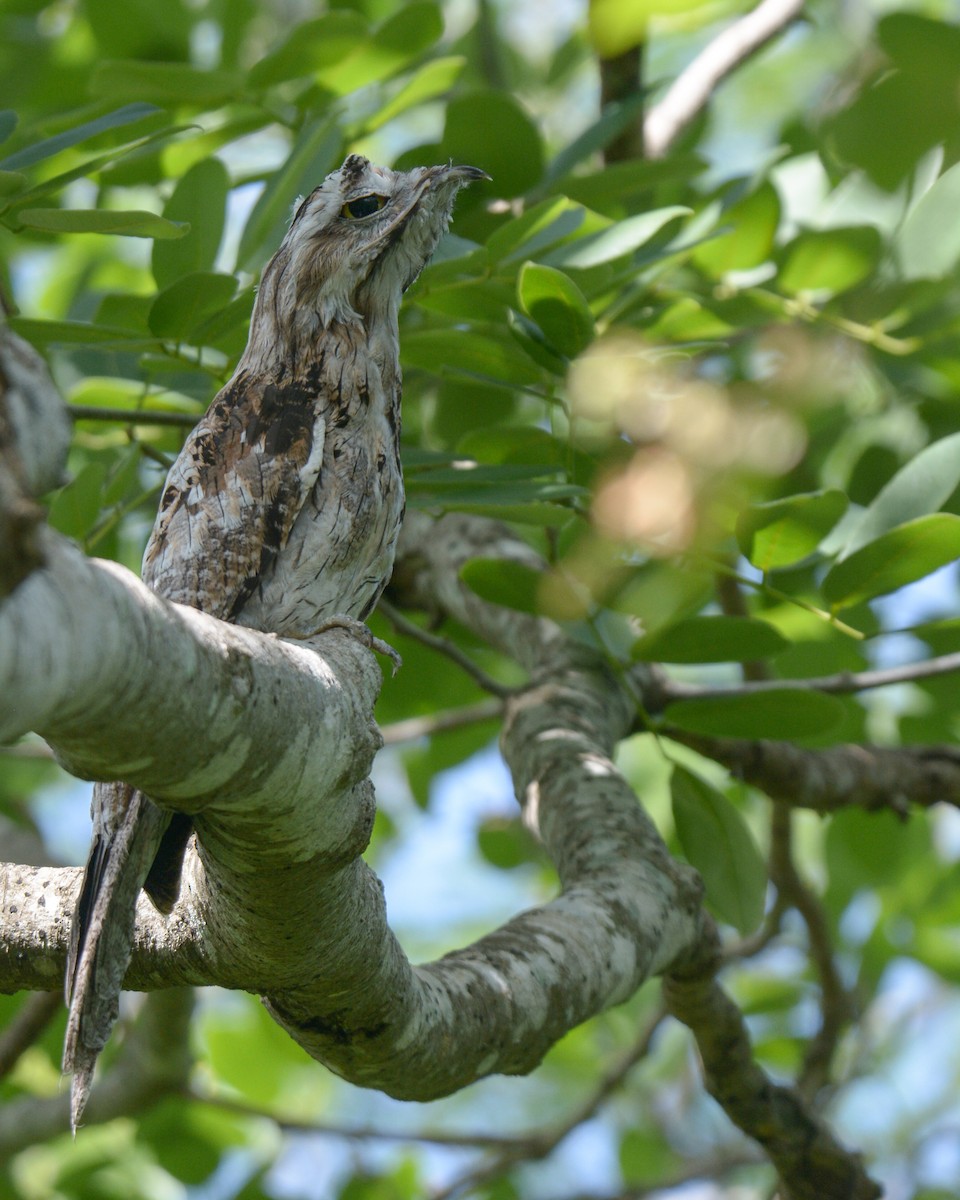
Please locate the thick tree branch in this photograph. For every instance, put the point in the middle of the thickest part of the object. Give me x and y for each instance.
(690, 92)
(811, 1163)
(848, 776)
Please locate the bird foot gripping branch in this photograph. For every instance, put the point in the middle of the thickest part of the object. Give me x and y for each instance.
(281, 512)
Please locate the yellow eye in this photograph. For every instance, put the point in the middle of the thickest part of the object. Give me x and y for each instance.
(362, 206)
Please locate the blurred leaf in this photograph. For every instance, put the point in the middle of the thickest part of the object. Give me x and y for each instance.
(100, 220)
(828, 260)
(621, 238)
(182, 307)
(558, 306)
(716, 840)
(129, 114)
(645, 1156)
(711, 639)
(775, 713)
(927, 244)
(165, 83)
(408, 32)
(510, 584)
(749, 241)
(506, 844)
(8, 123)
(921, 486)
(433, 79)
(537, 228)
(783, 532)
(12, 182)
(75, 508)
(310, 46)
(490, 130)
(200, 200)
(896, 558)
(442, 350)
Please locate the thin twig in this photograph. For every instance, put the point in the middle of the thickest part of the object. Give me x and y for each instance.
(843, 683)
(353, 1133)
(536, 1146)
(443, 646)
(439, 722)
(836, 1006)
(131, 416)
(690, 92)
(32, 1018)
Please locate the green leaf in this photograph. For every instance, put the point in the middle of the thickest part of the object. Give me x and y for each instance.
(311, 46)
(166, 83)
(622, 237)
(8, 123)
(615, 118)
(901, 556)
(199, 198)
(505, 843)
(927, 244)
(558, 306)
(711, 639)
(183, 306)
(538, 513)
(433, 79)
(12, 182)
(489, 129)
(99, 220)
(53, 333)
(539, 227)
(500, 581)
(920, 487)
(753, 225)
(127, 115)
(645, 1157)
(407, 33)
(75, 508)
(310, 159)
(443, 350)
(717, 841)
(784, 532)
(775, 713)
(829, 260)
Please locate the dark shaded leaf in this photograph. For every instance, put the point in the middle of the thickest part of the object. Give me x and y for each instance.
(711, 639)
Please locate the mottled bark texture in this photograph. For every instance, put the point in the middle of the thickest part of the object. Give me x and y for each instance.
(268, 746)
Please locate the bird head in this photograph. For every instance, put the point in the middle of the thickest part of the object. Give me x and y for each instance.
(358, 241)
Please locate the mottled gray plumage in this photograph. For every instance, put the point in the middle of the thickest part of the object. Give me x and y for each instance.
(281, 512)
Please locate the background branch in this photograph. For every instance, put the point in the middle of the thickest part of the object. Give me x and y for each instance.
(690, 92)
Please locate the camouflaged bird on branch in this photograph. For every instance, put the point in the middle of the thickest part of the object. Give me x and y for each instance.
(281, 513)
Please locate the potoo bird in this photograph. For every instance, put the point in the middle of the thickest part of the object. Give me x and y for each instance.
(281, 512)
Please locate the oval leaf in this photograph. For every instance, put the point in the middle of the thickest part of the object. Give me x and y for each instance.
(490, 130)
(717, 841)
(499, 581)
(829, 260)
(785, 531)
(186, 304)
(711, 639)
(927, 245)
(922, 486)
(777, 713)
(896, 558)
(620, 239)
(558, 306)
(200, 198)
(97, 220)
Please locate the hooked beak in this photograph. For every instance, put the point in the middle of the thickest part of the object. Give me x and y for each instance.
(467, 174)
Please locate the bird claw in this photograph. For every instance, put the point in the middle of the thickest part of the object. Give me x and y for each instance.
(359, 630)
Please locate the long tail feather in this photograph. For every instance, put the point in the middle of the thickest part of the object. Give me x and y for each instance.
(101, 939)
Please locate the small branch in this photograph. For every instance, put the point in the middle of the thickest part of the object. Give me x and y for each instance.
(690, 92)
(350, 1133)
(621, 78)
(453, 718)
(849, 776)
(34, 1015)
(536, 1146)
(836, 1007)
(154, 1062)
(131, 416)
(443, 646)
(841, 684)
(812, 1165)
